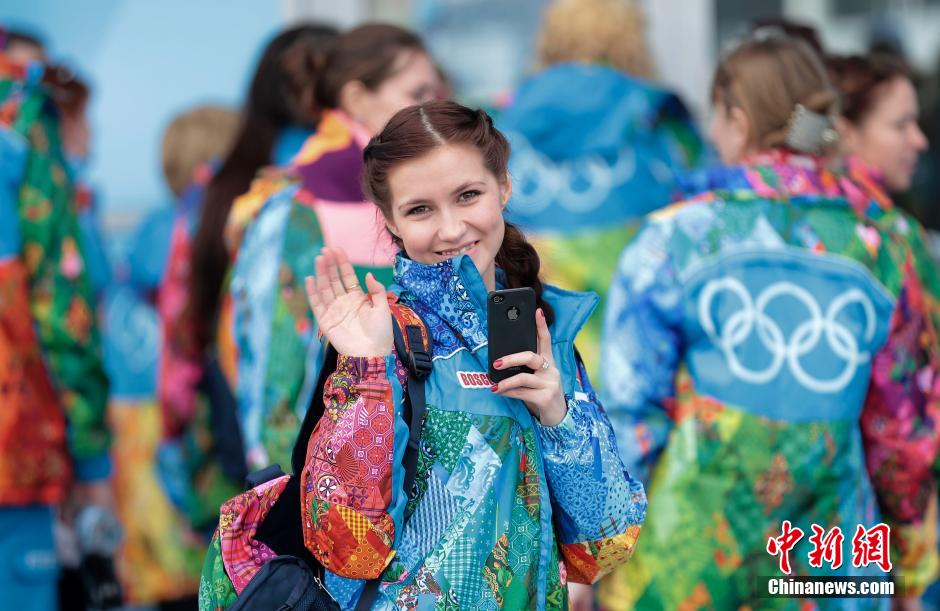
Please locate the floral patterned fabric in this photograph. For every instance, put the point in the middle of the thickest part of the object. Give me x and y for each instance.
(49, 344)
(180, 369)
(504, 510)
(274, 233)
(770, 355)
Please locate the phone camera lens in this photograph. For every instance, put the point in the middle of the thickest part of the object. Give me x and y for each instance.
(512, 313)
(498, 299)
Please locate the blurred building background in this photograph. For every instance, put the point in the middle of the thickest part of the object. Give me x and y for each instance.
(147, 61)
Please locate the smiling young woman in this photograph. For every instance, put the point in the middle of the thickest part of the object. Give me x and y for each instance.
(504, 468)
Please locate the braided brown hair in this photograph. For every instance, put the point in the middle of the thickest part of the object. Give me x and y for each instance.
(413, 133)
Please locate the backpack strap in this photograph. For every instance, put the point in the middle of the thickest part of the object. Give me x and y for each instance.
(414, 350)
(413, 345)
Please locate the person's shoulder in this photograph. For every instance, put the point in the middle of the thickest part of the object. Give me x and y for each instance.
(271, 184)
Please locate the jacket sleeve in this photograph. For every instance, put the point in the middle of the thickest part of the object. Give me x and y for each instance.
(274, 327)
(62, 301)
(900, 425)
(180, 366)
(216, 591)
(641, 349)
(351, 496)
(598, 506)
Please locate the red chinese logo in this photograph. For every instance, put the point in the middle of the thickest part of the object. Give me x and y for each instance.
(781, 546)
(828, 547)
(872, 546)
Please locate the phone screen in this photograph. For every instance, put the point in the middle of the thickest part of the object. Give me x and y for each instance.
(511, 328)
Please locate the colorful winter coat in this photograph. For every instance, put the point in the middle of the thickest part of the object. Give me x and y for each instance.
(504, 510)
(180, 367)
(52, 384)
(770, 355)
(593, 150)
(275, 232)
(163, 458)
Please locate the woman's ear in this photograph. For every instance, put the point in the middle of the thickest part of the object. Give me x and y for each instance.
(392, 229)
(353, 99)
(505, 190)
(740, 129)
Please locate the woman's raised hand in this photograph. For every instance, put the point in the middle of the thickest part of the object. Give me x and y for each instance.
(355, 323)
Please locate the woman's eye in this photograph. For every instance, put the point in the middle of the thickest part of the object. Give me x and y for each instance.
(467, 196)
(417, 210)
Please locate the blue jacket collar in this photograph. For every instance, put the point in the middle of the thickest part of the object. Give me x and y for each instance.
(451, 297)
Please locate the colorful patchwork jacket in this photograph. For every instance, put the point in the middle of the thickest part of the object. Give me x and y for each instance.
(504, 510)
(770, 354)
(53, 388)
(275, 232)
(593, 150)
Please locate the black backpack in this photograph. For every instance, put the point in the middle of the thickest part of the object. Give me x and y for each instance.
(293, 581)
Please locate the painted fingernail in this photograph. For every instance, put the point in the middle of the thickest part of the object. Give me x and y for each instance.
(494, 387)
(498, 363)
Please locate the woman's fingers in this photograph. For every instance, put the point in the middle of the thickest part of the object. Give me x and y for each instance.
(324, 289)
(520, 381)
(545, 338)
(520, 359)
(376, 291)
(346, 272)
(332, 272)
(313, 298)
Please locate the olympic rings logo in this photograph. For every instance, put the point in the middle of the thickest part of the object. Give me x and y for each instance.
(540, 181)
(804, 338)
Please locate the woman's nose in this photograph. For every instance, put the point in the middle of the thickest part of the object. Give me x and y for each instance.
(451, 227)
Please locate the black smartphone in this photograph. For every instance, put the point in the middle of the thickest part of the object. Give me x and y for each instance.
(511, 328)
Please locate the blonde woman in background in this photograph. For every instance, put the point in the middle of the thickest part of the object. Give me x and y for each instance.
(596, 142)
(764, 361)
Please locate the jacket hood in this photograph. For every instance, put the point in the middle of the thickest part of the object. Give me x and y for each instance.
(571, 110)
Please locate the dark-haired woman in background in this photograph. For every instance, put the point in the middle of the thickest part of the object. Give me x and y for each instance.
(882, 142)
(519, 486)
(765, 361)
(878, 126)
(275, 230)
(279, 104)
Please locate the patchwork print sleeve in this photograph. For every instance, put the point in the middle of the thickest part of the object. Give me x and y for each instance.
(352, 498)
(598, 506)
(901, 427)
(62, 301)
(642, 343)
(274, 327)
(216, 592)
(180, 367)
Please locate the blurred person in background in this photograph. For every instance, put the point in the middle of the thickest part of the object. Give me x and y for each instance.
(882, 142)
(162, 553)
(768, 358)
(878, 124)
(275, 231)
(196, 382)
(53, 388)
(596, 144)
(70, 95)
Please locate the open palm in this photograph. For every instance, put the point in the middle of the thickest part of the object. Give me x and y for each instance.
(354, 322)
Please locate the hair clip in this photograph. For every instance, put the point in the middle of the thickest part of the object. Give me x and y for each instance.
(809, 132)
